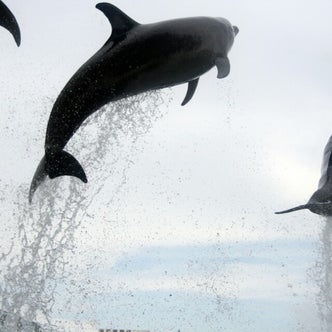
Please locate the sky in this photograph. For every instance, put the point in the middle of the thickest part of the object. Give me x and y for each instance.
(176, 227)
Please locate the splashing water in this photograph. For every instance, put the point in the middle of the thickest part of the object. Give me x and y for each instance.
(35, 263)
(324, 272)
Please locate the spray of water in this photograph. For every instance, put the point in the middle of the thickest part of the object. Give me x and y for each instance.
(324, 276)
(105, 145)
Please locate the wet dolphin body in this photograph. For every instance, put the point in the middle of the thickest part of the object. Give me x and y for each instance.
(321, 200)
(136, 58)
(8, 21)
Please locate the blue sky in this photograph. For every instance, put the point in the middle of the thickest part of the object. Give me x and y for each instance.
(230, 287)
(194, 196)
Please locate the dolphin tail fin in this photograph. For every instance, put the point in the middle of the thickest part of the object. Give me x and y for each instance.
(61, 163)
(300, 207)
(38, 178)
(8, 21)
(54, 164)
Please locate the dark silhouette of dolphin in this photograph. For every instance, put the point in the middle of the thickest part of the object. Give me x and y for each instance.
(136, 58)
(321, 200)
(8, 21)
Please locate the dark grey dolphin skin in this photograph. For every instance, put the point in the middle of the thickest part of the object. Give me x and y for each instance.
(321, 200)
(8, 21)
(136, 58)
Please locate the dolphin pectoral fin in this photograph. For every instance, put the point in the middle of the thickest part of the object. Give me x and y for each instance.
(223, 66)
(120, 22)
(192, 85)
(61, 163)
(8, 21)
(300, 207)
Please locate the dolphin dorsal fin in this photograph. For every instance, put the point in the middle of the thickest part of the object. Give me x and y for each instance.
(120, 22)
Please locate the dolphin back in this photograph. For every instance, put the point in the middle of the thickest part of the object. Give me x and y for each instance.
(8, 21)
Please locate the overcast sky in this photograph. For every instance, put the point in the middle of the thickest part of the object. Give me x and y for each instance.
(189, 240)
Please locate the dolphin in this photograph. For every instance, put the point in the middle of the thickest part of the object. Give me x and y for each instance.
(136, 58)
(321, 200)
(8, 21)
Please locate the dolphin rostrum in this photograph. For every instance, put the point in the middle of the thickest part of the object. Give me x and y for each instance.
(136, 58)
(8, 21)
(321, 200)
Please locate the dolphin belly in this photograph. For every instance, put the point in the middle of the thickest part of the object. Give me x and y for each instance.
(170, 72)
(113, 80)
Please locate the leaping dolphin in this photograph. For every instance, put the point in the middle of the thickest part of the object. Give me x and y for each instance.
(8, 21)
(136, 58)
(321, 200)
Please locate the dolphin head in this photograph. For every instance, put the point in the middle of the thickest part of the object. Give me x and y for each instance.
(320, 203)
(321, 208)
(226, 35)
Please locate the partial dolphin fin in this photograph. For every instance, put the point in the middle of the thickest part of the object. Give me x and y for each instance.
(192, 85)
(8, 21)
(54, 164)
(120, 22)
(38, 178)
(223, 66)
(60, 163)
(326, 169)
(300, 207)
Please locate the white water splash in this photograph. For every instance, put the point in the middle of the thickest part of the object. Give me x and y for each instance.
(324, 277)
(35, 263)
